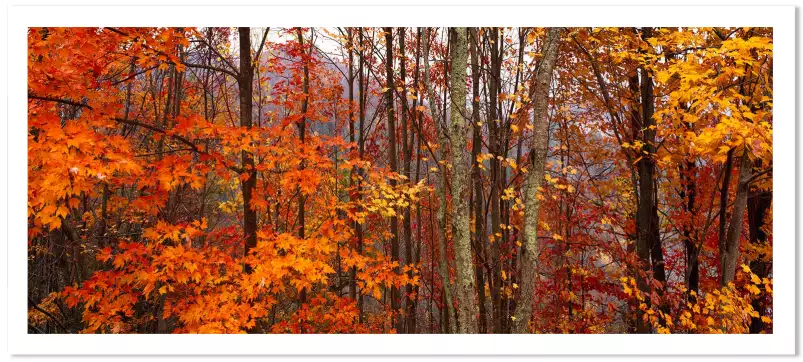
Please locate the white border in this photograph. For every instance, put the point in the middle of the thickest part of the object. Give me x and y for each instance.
(781, 18)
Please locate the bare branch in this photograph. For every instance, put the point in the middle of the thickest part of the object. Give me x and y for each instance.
(214, 68)
(261, 46)
(58, 100)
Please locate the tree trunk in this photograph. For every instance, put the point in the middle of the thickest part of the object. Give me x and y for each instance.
(689, 193)
(731, 253)
(411, 292)
(302, 129)
(441, 187)
(723, 206)
(246, 89)
(648, 242)
(538, 154)
(648, 208)
(476, 175)
(467, 310)
(353, 172)
(406, 166)
(361, 149)
(494, 84)
(398, 322)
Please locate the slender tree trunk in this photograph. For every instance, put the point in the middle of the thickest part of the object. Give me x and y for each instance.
(476, 174)
(538, 154)
(467, 310)
(494, 84)
(361, 149)
(730, 255)
(353, 172)
(648, 208)
(411, 291)
(302, 130)
(689, 193)
(406, 167)
(641, 246)
(648, 243)
(398, 322)
(509, 306)
(246, 88)
(724, 196)
(443, 262)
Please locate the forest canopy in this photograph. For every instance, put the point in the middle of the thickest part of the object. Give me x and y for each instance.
(400, 180)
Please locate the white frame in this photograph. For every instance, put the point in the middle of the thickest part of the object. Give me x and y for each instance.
(781, 18)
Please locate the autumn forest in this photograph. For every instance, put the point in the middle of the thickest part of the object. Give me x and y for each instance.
(400, 180)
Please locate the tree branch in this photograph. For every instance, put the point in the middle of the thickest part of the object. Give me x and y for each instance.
(58, 100)
(192, 146)
(132, 76)
(261, 46)
(757, 175)
(234, 70)
(159, 130)
(115, 30)
(213, 68)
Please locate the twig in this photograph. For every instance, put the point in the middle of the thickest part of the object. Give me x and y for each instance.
(59, 100)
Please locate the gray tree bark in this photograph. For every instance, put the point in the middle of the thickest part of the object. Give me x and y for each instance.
(538, 154)
(443, 266)
(467, 311)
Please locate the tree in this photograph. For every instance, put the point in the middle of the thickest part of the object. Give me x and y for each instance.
(538, 154)
(460, 169)
(246, 90)
(231, 180)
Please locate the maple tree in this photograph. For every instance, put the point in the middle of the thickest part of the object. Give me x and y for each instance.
(400, 180)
